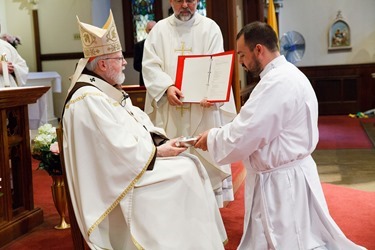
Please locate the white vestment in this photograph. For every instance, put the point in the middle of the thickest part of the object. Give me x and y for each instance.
(168, 39)
(20, 67)
(274, 134)
(120, 205)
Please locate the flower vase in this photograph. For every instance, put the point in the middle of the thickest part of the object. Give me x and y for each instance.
(59, 199)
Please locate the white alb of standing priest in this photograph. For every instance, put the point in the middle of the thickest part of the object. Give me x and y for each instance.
(131, 187)
(13, 68)
(186, 32)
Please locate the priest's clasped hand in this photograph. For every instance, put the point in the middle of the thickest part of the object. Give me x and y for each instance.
(174, 95)
(202, 141)
(206, 104)
(10, 68)
(170, 149)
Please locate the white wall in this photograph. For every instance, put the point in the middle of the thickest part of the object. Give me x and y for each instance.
(3, 20)
(58, 24)
(314, 18)
(16, 19)
(132, 76)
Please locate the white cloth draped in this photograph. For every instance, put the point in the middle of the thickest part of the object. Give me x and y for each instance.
(120, 205)
(20, 67)
(42, 111)
(164, 44)
(275, 134)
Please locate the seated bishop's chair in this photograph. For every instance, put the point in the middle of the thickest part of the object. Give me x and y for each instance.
(78, 240)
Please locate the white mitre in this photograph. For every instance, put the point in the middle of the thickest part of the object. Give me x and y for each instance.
(99, 41)
(96, 42)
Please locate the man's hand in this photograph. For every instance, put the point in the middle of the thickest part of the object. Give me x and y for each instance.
(202, 141)
(10, 68)
(206, 104)
(174, 95)
(170, 149)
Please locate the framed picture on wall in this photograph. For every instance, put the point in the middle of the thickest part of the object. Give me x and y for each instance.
(339, 34)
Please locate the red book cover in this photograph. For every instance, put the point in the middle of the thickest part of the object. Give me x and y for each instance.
(205, 76)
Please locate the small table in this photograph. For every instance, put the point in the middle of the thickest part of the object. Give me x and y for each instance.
(42, 111)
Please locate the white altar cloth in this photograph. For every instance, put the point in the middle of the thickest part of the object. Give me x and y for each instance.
(42, 111)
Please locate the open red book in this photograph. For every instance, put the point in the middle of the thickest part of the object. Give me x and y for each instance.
(205, 77)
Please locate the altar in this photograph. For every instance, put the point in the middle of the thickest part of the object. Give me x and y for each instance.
(42, 111)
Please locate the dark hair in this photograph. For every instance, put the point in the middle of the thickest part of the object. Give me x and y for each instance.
(259, 33)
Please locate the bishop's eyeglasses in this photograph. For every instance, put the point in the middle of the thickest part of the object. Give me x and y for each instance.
(120, 59)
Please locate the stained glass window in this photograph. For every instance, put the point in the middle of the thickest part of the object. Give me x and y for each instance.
(201, 7)
(143, 11)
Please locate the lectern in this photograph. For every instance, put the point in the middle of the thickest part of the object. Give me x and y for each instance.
(17, 213)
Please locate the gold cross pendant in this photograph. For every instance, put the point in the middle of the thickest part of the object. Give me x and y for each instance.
(181, 108)
(183, 49)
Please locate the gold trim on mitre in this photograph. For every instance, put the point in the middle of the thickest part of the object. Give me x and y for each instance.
(99, 41)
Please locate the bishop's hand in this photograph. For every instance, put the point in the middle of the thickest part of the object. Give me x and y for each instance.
(170, 149)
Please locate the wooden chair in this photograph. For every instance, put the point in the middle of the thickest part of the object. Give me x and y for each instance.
(79, 242)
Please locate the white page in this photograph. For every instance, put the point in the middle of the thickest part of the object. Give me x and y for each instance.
(195, 78)
(220, 75)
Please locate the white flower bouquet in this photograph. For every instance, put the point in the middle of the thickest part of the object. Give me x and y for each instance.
(45, 148)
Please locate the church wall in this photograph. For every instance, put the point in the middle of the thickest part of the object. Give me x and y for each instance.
(314, 18)
(57, 24)
(132, 76)
(240, 24)
(16, 19)
(3, 20)
(57, 27)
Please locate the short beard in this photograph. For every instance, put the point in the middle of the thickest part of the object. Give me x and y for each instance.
(256, 69)
(185, 18)
(117, 78)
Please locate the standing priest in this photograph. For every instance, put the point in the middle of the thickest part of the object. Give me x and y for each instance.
(185, 32)
(131, 187)
(13, 68)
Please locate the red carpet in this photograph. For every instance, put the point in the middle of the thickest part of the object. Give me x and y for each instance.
(353, 211)
(44, 236)
(342, 132)
(233, 215)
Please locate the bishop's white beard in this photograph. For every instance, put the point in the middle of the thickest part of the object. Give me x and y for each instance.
(117, 78)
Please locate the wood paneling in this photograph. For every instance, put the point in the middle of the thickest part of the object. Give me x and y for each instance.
(343, 89)
(137, 94)
(253, 10)
(340, 89)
